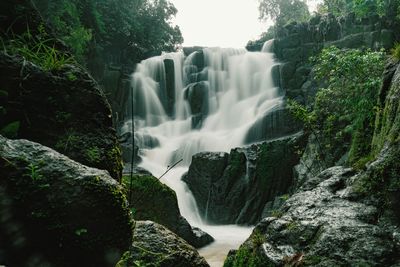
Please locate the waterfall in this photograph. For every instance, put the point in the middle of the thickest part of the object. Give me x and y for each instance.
(217, 95)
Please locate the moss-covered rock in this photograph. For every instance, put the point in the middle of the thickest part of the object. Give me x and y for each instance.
(156, 246)
(54, 103)
(71, 116)
(326, 223)
(152, 200)
(235, 187)
(57, 212)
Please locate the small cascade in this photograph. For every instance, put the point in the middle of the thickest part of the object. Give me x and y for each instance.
(217, 95)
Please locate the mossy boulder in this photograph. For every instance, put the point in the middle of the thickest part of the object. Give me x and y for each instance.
(156, 246)
(57, 212)
(152, 200)
(235, 187)
(326, 223)
(63, 109)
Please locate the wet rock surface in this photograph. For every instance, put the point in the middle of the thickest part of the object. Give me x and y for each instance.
(57, 212)
(324, 224)
(235, 187)
(63, 109)
(155, 245)
(152, 200)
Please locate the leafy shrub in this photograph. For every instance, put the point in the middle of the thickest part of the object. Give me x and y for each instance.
(395, 51)
(344, 111)
(39, 49)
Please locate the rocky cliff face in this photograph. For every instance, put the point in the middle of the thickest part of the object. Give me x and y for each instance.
(57, 212)
(295, 43)
(340, 217)
(236, 187)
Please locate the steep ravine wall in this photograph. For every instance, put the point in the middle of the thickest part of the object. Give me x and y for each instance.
(297, 42)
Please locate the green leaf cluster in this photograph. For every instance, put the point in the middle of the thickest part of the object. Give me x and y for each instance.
(344, 110)
(39, 49)
(361, 8)
(283, 11)
(139, 25)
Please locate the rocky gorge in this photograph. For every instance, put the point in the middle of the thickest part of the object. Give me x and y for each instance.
(244, 158)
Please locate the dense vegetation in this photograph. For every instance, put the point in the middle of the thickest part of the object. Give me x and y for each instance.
(345, 107)
(92, 26)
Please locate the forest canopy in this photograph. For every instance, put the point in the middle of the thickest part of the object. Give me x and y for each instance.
(144, 26)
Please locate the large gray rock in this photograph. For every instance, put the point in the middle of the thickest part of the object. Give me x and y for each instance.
(57, 212)
(234, 188)
(154, 245)
(322, 225)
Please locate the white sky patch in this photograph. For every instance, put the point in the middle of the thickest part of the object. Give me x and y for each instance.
(223, 23)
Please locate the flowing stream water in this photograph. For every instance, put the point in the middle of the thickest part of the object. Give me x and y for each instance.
(240, 91)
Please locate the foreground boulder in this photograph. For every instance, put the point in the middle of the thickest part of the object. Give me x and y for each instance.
(325, 224)
(154, 245)
(236, 187)
(63, 109)
(57, 212)
(153, 200)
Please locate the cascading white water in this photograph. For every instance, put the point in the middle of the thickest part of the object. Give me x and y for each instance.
(240, 91)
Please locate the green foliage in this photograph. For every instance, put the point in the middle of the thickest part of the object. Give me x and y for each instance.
(283, 11)
(361, 8)
(345, 109)
(33, 172)
(80, 232)
(10, 130)
(93, 154)
(139, 25)
(395, 51)
(38, 49)
(246, 257)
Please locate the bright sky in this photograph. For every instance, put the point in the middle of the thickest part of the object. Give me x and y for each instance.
(224, 23)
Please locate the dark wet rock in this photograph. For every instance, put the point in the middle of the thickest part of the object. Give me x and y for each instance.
(193, 235)
(154, 245)
(62, 109)
(169, 85)
(197, 95)
(323, 224)
(235, 187)
(152, 200)
(276, 123)
(57, 212)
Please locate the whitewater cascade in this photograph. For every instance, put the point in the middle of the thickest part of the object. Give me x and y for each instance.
(235, 88)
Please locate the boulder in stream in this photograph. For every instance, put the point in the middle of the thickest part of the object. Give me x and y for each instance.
(154, 245)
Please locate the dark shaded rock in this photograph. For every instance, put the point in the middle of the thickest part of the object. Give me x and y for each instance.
(205, 169)
(193, 235)
(152, 200)
(276, 123)
(154, 245)
(62, 109)
(189, 50)
(235, 188)
(57, 212)
(322, 225)
(169, 84)
(197, 95)
(276, 75)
